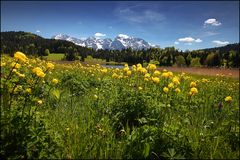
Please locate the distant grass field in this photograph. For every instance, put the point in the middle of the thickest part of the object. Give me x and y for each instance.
(55, 56)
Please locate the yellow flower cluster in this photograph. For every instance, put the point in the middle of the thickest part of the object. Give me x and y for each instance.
(39, 72)
(20, 56)
(151, 67)
(50, 66)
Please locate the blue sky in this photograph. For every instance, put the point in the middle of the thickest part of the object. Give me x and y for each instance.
(183, 24)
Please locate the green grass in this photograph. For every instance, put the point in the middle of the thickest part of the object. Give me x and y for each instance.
(91, 114)
(55, 56)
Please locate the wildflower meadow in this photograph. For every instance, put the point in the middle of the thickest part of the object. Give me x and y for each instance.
(81, 111)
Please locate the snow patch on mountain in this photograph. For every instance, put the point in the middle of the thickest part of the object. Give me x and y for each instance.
(122, 41)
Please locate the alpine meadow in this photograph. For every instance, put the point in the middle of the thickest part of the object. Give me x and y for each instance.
(108, 94)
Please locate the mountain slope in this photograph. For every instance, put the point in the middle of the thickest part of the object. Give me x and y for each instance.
(120, 42)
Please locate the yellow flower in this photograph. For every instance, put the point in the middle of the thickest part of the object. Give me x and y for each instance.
(114, 75)
(50, 66)
(126, 69)
(151, 67)
(129, 73)
(193, 91)
(165, 75)
(40, 102)
(143, 70)
(67, 129)
(147, 75)
(139, 65)
(177, 90)
(40, 74)
(3, 64)
(126, 65)
(55, 81)
(20, 56)
(29, 90)
(140, 88)
(170, 74)
(193, 84)
(165, 90)
(175, 80)
(155, 80)
(15, 65)
(228, 99)
(156, 73)
(170, 85)
(104, 70)
(36, 69)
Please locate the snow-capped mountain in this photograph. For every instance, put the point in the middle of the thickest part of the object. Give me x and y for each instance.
(120, 42)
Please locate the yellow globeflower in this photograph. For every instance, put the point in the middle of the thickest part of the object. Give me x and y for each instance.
(193, 84)
(147, 75)
(165, 90)
(16, 65)
(3, 64)
(114, 75)
(40, 74)
(170, 85)
(134, 67)
(175, 80)
(125, 69)
(156, 73)
(228, 99)
(104, 70)
(193, 91)
(151, 67)
(177, 90)
(143, 70)
(55, 81)
(50, 66)
(40, 102)
(139, 65)
(170, 74)
(20, 56)
(129, 73)
(165, 75)
(36, 69)
(126, 65)
(155, 80)
(29, 90)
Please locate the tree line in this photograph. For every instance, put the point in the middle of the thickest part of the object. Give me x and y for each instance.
(31, 44)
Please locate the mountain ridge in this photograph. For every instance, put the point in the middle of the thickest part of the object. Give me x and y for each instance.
(118, 43)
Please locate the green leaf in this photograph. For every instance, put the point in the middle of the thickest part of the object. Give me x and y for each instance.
(146, 150)
(56, 93)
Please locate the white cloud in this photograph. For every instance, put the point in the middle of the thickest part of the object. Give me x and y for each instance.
(100, 34)
(220, 43)
(38, 31)
(198, 40)
(186, 39)
(123, 36)
(212, 21)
